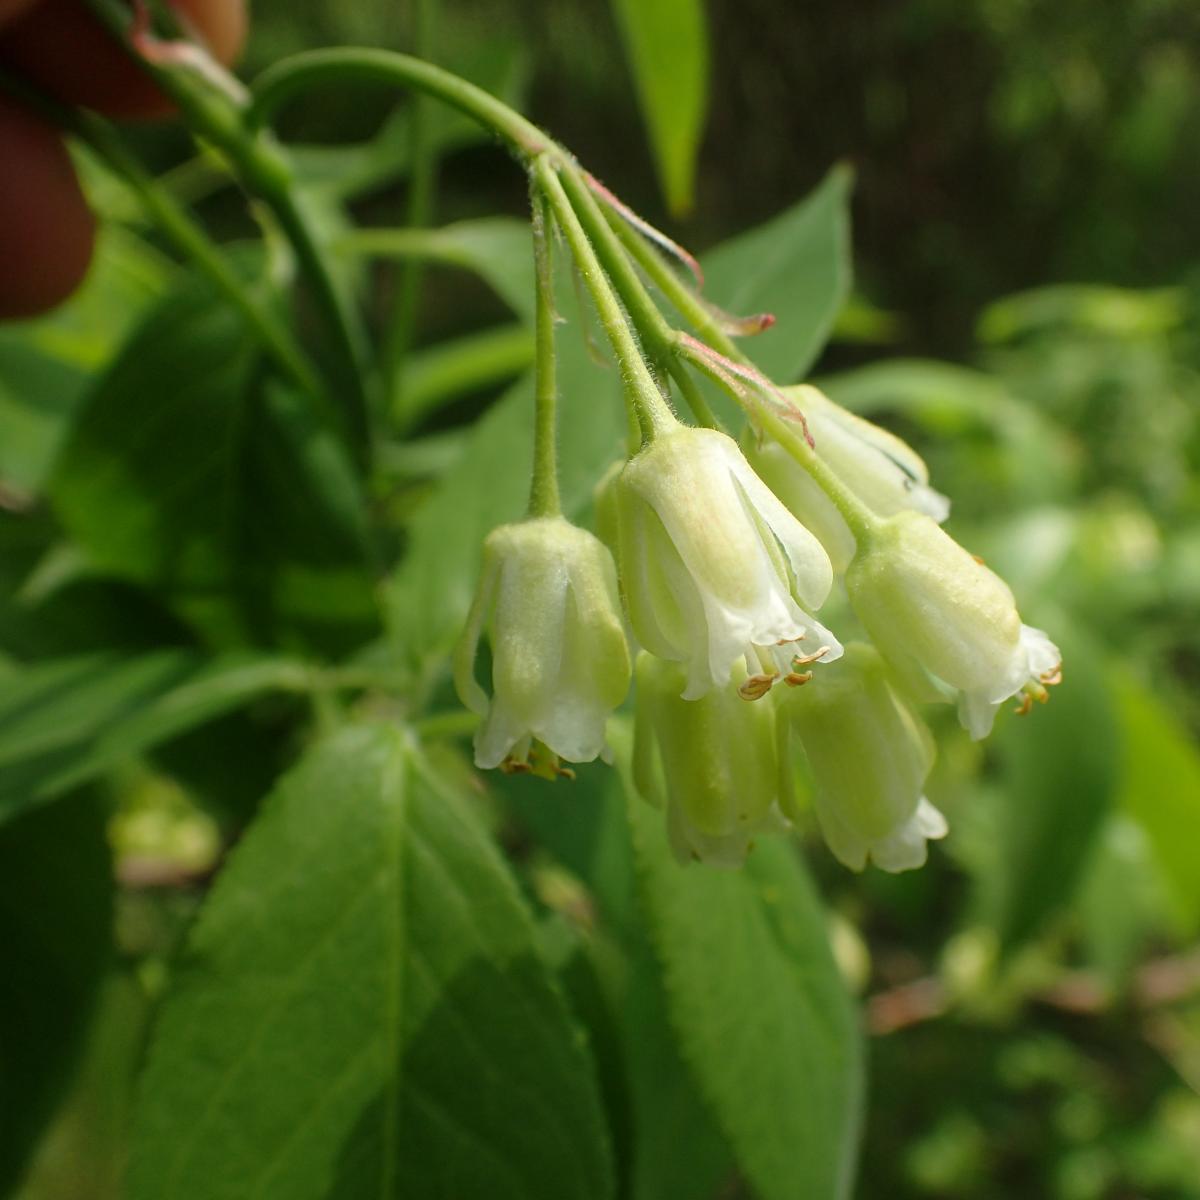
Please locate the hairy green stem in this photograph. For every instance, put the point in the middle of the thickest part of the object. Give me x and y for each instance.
(543, 489)
(279, 83)
(682, 298)
(641, 390)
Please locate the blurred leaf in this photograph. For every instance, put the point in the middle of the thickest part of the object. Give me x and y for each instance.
(1160, 790)
(365, 919)
(56, 911)
(489, 484)
(45, 363)
(1036, 458)
(666, 42)
(761, 1013)
(498, 249)
(796, 266)
(64, 721)
(190, 474)
(655, 1104)
(453, 369)
(1059, 777)
(82, 1152)
(1119, 903)
(1108, 311)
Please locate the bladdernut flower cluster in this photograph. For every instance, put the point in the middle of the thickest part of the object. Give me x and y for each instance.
(712, 561)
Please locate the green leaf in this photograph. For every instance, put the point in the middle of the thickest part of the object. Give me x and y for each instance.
(761, 1013)
(489, 484)
(45, 364)
(666, 42)
(453, 369)
(1058, 779)
(796, 266)
(55, 911)
(653, 1096)
(190, 474)
(361, 1011)
(498, 249)
(1160, 790)
(63, 722)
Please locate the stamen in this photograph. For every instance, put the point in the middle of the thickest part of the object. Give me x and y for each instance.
(797, 678)
(1026, 705)
(801, 659)
(757, 686)
(1052, 677)
(515, 766)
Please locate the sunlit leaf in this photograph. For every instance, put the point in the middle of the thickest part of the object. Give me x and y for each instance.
(191, 474)
(795, 266)
(762, 1016)
(361, 1011)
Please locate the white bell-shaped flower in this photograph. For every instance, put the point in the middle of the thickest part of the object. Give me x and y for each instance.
(560, 661)
(712, 763)
(714, 568)
(929, 604)
(869, 754)
(885, 473)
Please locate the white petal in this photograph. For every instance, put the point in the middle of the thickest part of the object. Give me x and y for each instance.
(904, 849)
(498, 734)
(465, 683)
(806, 556)
(1041, 654)
(977, 712)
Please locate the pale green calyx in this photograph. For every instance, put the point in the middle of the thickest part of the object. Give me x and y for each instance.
(715, 569)
(929, 604)
(869, 754)
(560, 662)
(712, 761)
(885, 473)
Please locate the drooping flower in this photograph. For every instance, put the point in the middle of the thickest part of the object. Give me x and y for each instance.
(712, 763)
(869, 755)
(930, 605)
(714, 568)
(885, 473)
(560, 661)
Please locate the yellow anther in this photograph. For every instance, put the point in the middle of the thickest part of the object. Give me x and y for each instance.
(1023, 709)
(801, 660)
(755, 687)
(1053, 677)
(797, 678)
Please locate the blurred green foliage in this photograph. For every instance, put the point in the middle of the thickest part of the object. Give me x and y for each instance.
(1026, 249)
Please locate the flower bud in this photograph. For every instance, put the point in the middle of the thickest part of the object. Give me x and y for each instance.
(869, 754)
(714, 568)
(927, 603)
(713, 760)
(885, 473)
(560, 662)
